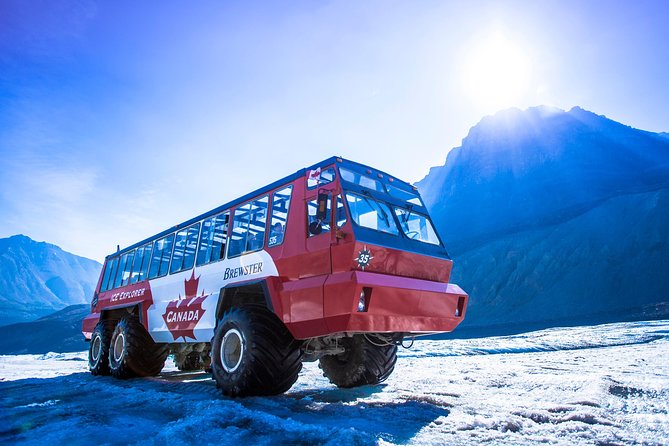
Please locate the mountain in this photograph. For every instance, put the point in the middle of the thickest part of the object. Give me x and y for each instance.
(58, 332)
(38, 278)
(555, 217)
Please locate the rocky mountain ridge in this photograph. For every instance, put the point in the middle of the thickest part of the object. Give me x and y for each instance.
(38, 278)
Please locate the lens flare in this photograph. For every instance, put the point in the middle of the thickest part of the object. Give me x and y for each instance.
(496, 74)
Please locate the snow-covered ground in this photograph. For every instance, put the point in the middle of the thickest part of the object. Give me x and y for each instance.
(603, 385)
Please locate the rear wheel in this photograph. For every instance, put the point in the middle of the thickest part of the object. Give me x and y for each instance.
(132, 352)
(253, 353)
(98, 349)
(190, 362)
(362, 363)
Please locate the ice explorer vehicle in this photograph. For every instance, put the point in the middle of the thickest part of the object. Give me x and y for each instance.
(337, 262)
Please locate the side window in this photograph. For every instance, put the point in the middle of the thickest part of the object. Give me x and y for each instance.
(160, 259)
(319, 177)
(179, 245)
(220, 237)
(110, 272)
(191, 246)
(258, 224)
(312, 209)
(184, 249)
(248, 227)
(240, 226)
(213, 239)
(340, 214)
(128, 268)
(120, 275)
(280, 207)
(140, 267)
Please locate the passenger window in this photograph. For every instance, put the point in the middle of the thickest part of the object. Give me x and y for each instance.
(220, 237)
(341, 212)
(177, 256)
(312, 208)
(319, 177)
(191, 245)
(213, 239)
(128, 268)
(240, 225)
(160, 259)
(248, 227)
(122, 270)
(119, 273)
(110, 272)
(140, 266)
(184, 249)
(280, 207)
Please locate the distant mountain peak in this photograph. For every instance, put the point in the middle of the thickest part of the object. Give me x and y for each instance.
(541, 162)
(37, 278)
(555, 215)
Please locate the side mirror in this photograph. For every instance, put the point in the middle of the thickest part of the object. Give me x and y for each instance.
(322, 211)
(315, 227)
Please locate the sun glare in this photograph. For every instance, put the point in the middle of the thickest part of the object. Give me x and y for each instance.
(496, 74)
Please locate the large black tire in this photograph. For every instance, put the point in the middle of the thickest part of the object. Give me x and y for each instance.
(132, 352)
(189, 362)
(362, 363)
(98, 349)
(253, 353)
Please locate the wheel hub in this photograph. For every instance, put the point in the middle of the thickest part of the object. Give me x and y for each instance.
(119, 347)
(232, 350)
(96, 348)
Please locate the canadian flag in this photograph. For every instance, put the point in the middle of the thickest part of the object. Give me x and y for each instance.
(315, 175)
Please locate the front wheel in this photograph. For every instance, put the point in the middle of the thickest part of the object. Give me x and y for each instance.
(132, 352)
(253, 353)
(361, 363)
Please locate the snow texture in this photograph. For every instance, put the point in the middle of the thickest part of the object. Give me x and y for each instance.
(603, 385)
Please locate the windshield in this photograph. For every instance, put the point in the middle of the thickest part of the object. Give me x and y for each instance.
(373, 184)
(372, 214)
(360, 179)
(416, 226)
(405, 195)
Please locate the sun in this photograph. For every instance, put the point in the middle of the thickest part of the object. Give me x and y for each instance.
(496, 74)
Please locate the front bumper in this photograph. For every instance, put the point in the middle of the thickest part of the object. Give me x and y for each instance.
(393, 305)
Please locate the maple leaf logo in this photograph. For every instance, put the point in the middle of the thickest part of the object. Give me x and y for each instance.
(190, 286)
(182, 315)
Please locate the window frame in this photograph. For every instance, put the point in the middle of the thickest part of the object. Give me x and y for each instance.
(319, 184)
(131, 258)
(144, 248)
(169, 260)
(183, 252)
(391, 216)
(111, 265)
(232, 227)
(225, 234)
(420, 214)
(285, 229)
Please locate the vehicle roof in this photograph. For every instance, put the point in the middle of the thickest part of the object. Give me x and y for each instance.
(300, 173)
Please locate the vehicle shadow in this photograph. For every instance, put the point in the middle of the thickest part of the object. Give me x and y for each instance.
(83, 409)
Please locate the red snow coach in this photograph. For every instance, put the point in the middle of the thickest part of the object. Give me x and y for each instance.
(338, 263)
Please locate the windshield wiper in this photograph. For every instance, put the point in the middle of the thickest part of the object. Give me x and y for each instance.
(405, 219)
(378, 207)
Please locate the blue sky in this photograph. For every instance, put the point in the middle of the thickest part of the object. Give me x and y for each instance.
(119, 119)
